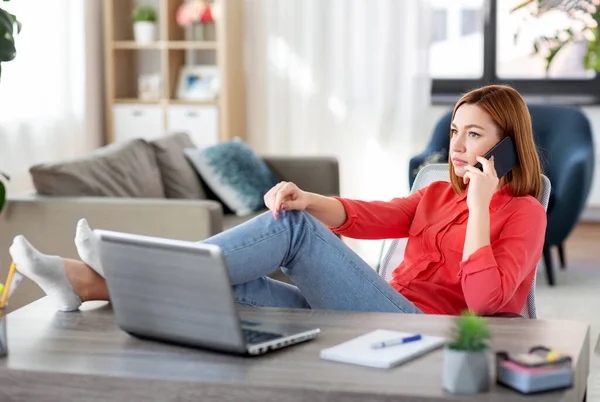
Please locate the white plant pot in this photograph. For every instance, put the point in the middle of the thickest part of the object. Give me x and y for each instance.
(144, 32)
(465, 372)
(569, 62)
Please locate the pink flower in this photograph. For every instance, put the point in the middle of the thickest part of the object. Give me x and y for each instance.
(194, 11)
(206, 15)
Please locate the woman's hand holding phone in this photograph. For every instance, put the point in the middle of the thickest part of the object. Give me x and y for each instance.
(482, 184)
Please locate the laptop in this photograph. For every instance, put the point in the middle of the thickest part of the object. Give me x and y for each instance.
(179, 292)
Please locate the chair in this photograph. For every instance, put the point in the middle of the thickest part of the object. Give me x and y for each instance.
(439, 172)
(564, 140)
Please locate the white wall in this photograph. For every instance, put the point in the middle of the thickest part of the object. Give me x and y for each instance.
(593, 114)
(29, 134)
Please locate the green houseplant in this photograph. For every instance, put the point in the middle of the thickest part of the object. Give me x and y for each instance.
(585, 29)
(3, 176)
(144, 24)
(9, 27)
(466, 368)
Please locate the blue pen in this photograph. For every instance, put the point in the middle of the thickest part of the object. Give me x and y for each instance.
(398, 341)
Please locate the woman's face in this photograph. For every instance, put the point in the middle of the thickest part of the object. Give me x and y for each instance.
(474, 133)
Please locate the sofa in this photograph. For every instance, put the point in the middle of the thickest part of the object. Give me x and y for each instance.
(129, 187)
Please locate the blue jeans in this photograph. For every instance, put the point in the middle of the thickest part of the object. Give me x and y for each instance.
(326, 273)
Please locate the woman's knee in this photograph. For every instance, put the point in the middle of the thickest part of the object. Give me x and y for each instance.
(297, 218)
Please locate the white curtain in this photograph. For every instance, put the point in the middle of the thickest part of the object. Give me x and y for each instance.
(340, 77)
(51, 93)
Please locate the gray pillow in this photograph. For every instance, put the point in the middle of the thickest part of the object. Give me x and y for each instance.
(235, 173)
(178, 176)
(118, 170)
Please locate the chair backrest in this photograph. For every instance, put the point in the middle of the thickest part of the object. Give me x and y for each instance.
(439, 172)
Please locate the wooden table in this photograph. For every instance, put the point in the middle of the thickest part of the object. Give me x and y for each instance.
(84, 356)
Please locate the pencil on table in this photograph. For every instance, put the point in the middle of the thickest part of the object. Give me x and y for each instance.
(11, 273)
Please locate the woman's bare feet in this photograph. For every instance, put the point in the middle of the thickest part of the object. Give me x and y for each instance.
(86, 282)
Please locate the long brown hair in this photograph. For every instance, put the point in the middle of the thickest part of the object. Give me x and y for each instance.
(509, 111)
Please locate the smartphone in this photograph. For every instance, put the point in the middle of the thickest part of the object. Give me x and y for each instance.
(505, 156)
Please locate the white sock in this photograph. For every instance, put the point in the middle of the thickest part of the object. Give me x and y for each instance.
(86, 243)
(48, 271)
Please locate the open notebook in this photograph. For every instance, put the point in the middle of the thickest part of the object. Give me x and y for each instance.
(359, 351)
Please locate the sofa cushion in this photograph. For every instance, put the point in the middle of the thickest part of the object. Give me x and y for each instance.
(180, 180)
(118, 170)
(235, 173)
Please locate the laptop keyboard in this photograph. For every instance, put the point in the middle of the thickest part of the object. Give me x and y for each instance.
(252, 336)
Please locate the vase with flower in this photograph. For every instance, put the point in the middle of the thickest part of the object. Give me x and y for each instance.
(199, 16)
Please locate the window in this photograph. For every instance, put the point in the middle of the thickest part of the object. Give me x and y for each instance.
(440, 25)
(471, 22)
(511, 46)
(517, 33)
(456, 50)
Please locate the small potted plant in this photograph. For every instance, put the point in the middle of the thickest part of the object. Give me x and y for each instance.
(466, 369)
(144, 24)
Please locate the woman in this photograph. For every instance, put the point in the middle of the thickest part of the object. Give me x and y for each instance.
(472, 243)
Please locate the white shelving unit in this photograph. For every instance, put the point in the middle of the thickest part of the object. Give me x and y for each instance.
(207, 122)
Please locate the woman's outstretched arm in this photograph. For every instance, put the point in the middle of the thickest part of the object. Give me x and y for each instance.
(351, 218)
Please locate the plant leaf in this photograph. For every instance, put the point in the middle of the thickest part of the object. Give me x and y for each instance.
(523, 4)
(7, 177)
(591, 54)
(143, 13)
(7, 21)
(471, 333)
(16, 22)
(8, 51)
(2, 195)
(594, 52)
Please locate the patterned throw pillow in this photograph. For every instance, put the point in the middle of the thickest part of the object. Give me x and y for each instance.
(235, 173)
